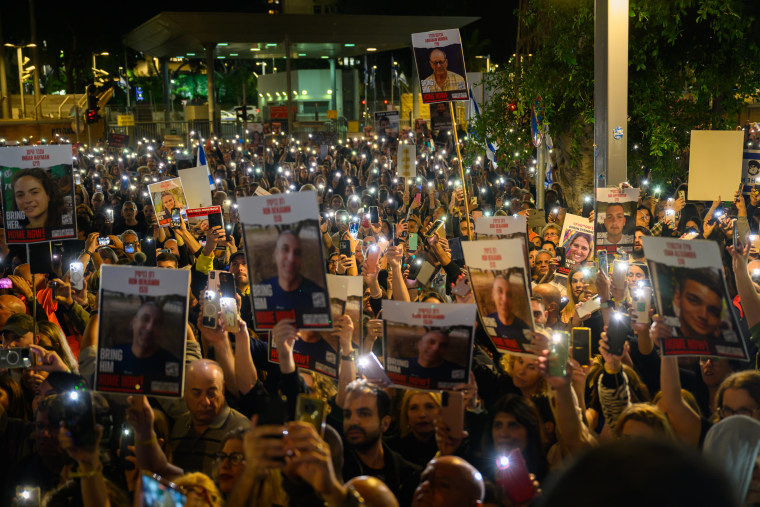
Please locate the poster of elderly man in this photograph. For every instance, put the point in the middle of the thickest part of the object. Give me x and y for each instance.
(440, 66)
(284, 255)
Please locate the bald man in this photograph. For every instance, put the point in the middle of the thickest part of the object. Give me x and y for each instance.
(449, 481)
(552, 300)
(374, 491)
(8, 306)
(441, 79)
(196, 435)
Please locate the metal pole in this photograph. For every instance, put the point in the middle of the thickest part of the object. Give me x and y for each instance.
(334, 78)
(126, 80)
(610, 92)
(366, 86)
(245, 117)
(210, 47)
(167, 89)
(19, 56)
(289, 85)
(540, 174)
(77, 119)
(461, 170)
(5, 98)
(35, 61)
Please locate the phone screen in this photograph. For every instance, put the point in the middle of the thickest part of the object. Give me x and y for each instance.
(374, 216)
(226, 284)
(157, 492)
(176, 218)
(353, 229)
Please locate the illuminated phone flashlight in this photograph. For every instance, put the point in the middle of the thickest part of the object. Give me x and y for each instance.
(587, 198)
(622, 265)
(363, 361)
(645, 182)
(718, 213)
(586, 272)
(617, 315)
(657, 190)
(74, 396)
(502, 462)
(670, 212)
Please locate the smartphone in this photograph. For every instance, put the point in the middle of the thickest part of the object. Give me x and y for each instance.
(104, 241)
(353, 229)
(130, 248)
(370, 367)
(601, 258)
(642, 302)
(619, 273)
(126, 440)
(418, 197)
(513, 478)
(560, 255)
(176, 218)
(313, 411)
(15, 357)
(229, 313)
(6, 283)
(76, 275)
(413, 241)
(617, 333)
(78, 415)
(559, 351)
(582, 345)
(462, 287)
(214, 220)
(682, 193)
(374, 215)
(109, 215)
(425, 274)
(77, 179)
(433, 230)
(158, 492)
(372, 258)
(227, 284)
(275, 413)
(210, 313)
(589, 307)
(345, 248)
(737, 239)
(452, 411)
(588, 206)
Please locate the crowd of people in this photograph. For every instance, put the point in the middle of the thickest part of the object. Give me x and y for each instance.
(635, 426)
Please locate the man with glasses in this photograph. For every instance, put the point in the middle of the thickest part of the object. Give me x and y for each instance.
(739, 394)
(441, 79)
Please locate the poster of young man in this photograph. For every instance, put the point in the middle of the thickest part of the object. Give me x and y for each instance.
(750, 170)
(428, 346)
(578, 241)
(38, 193)
(387, 124)
(440, 117)
(141, 331)
(167, 195)
(499, 279)
(615, 219)
(692, 296)
(440, 65)
(284, 254)
(319, 350)
(198, 222)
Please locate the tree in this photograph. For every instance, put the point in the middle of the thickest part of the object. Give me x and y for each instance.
(692, 65)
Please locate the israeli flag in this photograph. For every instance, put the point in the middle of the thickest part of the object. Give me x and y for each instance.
(490, 148)
(201, 162)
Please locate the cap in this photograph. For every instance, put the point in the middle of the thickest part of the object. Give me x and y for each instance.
(236, 255)
(19, 323)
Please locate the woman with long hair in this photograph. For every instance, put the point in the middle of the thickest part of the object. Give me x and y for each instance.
(36, 194)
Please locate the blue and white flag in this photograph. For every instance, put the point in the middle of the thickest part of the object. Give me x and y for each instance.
(490, 148)
(202, 163)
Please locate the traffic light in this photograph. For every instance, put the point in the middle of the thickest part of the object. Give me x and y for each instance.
(92, 116)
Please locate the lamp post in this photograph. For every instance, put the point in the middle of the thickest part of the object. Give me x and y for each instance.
(263, 67)
(488, 61)
(96, 72)
(19, 57)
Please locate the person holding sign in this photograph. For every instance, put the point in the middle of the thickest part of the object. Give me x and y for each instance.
(290, 289)
(507, 323)
(441, 79)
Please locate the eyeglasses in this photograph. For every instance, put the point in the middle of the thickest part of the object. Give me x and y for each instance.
(724, 412)
(437, 62)
(236, 458)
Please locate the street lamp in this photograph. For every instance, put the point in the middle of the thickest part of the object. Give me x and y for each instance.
(488, 61)
(96, 72)
(21, 75)
(263, 67)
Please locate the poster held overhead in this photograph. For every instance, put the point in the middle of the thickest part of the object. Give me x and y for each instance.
(166, 196)
(195, 186)
(499, 278)
(38, 193)
(578, 241)
(428, 346)
(141, 332)
(711, 153)
(615, 221)
(440, 65)
(386, 124)
(284, 255)
(693, 299)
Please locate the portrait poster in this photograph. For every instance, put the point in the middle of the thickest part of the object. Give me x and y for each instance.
(440, 65)
(712, 153)
(386, 124)
(141, 330)
(198, 222)
(750, 169)
(615, 219)
(319, 351)
(440, 117)
(501, 286)
(692, 296)
(503, 227)
(428, 346)
(38, 193)
(577, 239)
(167, 195)
(283, 249)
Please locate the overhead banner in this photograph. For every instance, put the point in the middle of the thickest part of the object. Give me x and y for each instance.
(38, 193)
(440, 66)
(711, 153)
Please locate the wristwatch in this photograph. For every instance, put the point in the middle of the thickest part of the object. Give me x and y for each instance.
(348, 357)
(607, 304)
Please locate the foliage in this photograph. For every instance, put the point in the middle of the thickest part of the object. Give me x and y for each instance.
(693, 65)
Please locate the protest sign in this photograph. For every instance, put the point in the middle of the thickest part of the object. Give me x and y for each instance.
(406, 165)
(387, 124)
(440, 117)
(198, 222)
(147, 355)
(498, 274)
(428, 346)
(167, 195)
(500, 226)
(750, 169)
(615, 220)
(38, 193)
(714, 152)
(319, 350)
(692, 297)
(195, 186)
(284, 253)
(578, 241)
(440, 66)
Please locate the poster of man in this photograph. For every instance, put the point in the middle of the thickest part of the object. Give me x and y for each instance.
(319, 350)
(440, 65)
(692, 296)
(428, 346)
(750, 169)
(577, 239)
(440, 117)
(615, 219)
(387, 124)
(499, 279)
(284, 254)
(142, 330)
(167, 195)
(38, 193)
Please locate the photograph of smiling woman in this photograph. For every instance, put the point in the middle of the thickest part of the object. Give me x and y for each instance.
(35, 194)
